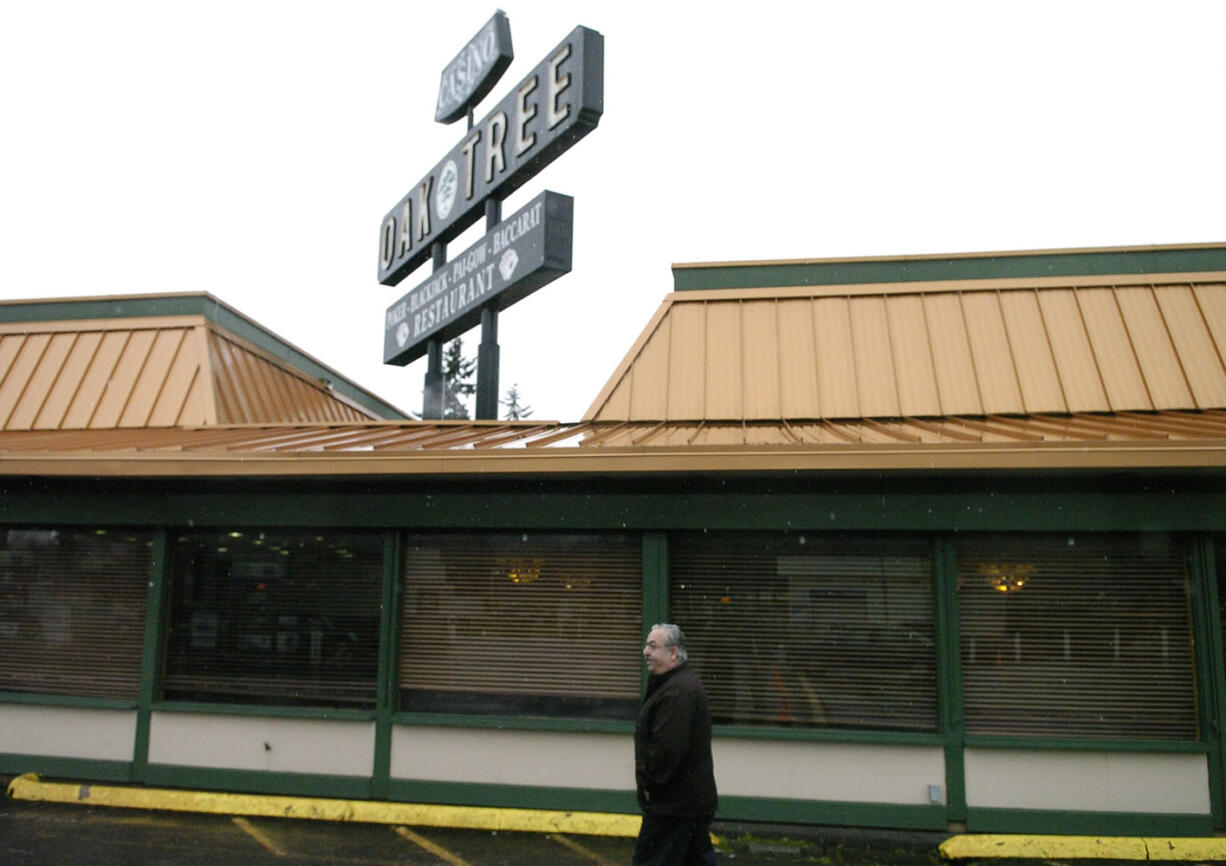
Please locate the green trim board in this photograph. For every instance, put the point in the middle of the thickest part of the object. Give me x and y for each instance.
(152, 649)
(387, 678)
(272, 711)
(34, 699)
(360, 506)
(834, 813)
(515, 796)
(981, 820)
(68, 768)
(259, 782)
(976, 266)
(1082, 744)
(197, 304)
(1210, 667)
(949, 674)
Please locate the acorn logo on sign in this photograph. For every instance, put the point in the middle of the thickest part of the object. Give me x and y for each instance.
(506, 266)
(444, 199)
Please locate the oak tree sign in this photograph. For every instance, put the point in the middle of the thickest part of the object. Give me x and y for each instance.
(557, 104)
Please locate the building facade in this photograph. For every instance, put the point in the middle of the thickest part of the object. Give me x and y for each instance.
(944, 533)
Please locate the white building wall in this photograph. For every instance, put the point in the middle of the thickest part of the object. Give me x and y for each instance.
(1087, 781)
(67, 732)
(256, 743)
(841, 772)
(537, 758)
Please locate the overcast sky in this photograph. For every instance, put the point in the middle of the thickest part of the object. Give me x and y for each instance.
(250, 149)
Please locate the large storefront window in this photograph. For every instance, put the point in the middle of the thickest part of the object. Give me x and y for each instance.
(809, 630)
(72, 611)
(1076, 636)
(279, 618)
(543, 624)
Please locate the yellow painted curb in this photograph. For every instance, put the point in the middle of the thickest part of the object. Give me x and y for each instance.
(30, 787)
(1028, 847)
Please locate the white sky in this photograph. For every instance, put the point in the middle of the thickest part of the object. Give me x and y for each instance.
(250, 149)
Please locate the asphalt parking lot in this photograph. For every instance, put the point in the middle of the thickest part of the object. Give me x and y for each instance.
(44, 833)
(35, 834)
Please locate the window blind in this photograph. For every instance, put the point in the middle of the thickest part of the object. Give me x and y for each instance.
(72, 611)
(525, 624)
(1076, 636)
(809, 630)
(278, 618)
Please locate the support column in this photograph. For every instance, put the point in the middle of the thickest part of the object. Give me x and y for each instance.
(487, 352)
(432, 394)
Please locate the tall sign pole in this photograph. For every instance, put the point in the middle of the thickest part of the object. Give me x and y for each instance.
(557, 104)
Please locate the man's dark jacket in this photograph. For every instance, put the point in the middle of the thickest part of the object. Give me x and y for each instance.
(672, 747)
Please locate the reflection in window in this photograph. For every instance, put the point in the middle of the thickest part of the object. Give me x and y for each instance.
(72, 611)
(809, 630)
(1076, 636)
(543, 624)
(278, 618)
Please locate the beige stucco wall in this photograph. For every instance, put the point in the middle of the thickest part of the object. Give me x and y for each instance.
(67, 732)
(256, 743)
(1091, 781)
(538, 758)
(807, 771)
(844, 772)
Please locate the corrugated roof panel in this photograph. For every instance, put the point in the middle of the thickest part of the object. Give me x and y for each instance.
(1164, 378)
(649, 390)
(1072, 354)
(40, 380)
(837, 389)
(951, 355)
(991, 353)
(1117, 361)
(725, 361)
(1212, 300)
(24, 362)
(152, 378)
(1190, 335)
(94, 380)
(1036, 369)
(798, 392)
(912, 354)
(68, 383)
(687, 361)
(870, 334)
(176, 389)
(120, 386)
(760, 351)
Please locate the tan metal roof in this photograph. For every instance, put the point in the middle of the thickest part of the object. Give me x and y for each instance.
(1022, 346)
(1087, 441)
(150, 372)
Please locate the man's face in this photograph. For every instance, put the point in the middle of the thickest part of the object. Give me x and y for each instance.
(660, 657)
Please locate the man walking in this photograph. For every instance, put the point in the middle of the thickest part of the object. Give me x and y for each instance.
(673, 769)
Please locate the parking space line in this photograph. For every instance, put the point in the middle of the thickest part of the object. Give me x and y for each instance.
(424, 843)
(258, 835)
(581, 850)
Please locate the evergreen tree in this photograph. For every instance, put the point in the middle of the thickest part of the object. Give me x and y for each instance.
(515, 410)
(457, 380)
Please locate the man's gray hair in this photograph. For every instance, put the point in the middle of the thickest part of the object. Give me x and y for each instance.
(675, 637)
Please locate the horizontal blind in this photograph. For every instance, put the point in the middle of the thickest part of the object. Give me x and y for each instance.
(279, 618)
(1076, 636)
(810, 630)
(72, 611)
(537, 623)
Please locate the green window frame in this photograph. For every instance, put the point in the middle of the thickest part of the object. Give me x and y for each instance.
(528, 624)
(72, 610)
(810, 630)
(1077, 636)
(274, 617)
